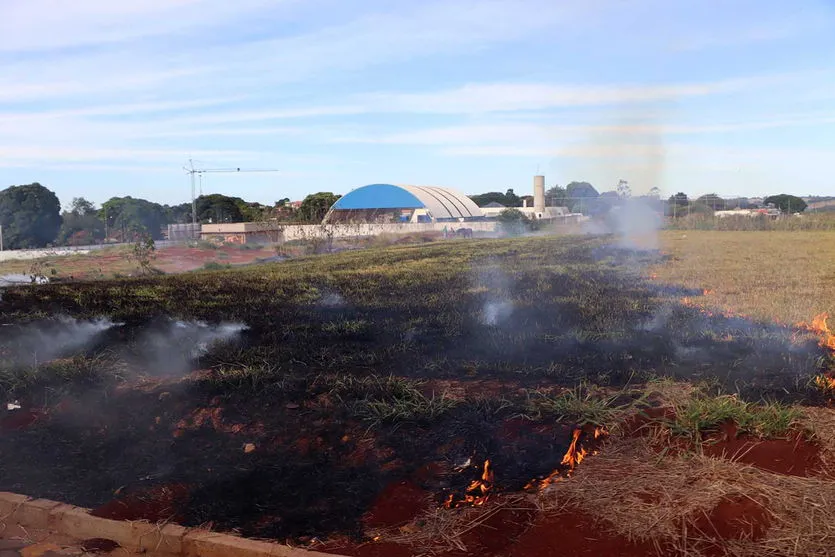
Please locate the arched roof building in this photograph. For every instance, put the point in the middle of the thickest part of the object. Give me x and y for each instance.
(391, 203)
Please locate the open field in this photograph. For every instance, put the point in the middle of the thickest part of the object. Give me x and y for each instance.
(490, 397)
(783, 276)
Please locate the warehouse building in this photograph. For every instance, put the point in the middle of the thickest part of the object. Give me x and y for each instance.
(388, 203)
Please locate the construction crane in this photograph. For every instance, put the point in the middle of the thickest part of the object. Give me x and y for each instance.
(192, 172)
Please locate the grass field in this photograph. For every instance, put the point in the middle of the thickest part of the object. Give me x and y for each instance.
(492, 397)
(784, 276)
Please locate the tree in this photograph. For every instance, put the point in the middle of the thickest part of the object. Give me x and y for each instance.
(143, 253)
(712, 200)
(513, 221)
(217, 208)
(555, 197)
(655, 192)
(680, 199)
(129, 218)
(81, 224)
(677, 205)
(82, 207)
(508, 199)
(623, 189)
(581, 197)
(30, 216)
(315, 206)
(788, 204)
(177, 214)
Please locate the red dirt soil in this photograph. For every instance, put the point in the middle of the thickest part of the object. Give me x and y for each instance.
(18, 419)
(735, 519)
(154, 505)
(794, 456)
(516, 533)
(397, 504)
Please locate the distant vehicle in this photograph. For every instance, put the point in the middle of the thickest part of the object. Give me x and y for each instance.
(14, 279)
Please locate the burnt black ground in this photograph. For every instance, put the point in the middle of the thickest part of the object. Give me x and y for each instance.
(526, 314)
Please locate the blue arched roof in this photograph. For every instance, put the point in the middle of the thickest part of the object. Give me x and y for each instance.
(441, 203)
(378, 196)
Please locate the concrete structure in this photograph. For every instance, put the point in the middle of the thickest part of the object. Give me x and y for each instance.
(183, 232)
(389, 203)
(539, 194)
(52, 520)
(265, 233)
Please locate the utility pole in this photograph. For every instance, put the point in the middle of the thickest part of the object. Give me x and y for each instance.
(191, 171)
(1, 237)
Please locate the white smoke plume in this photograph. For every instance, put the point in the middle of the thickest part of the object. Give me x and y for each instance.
(55, 338)
(173, 348)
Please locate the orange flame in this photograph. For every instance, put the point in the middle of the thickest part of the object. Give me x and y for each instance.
(477, 492)
(573, 456)
(820, 328)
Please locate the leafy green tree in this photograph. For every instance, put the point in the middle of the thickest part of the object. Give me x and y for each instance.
(81, 224)
(177, 214)
(129, 218)
(712, 200)
(555, 196)
(581, 197)
(680, 199)
(315, 206)
(787, 203)
(216, 208)
(30, 216)
(513, 221)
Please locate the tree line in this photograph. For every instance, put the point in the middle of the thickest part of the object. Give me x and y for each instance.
(31, 216)
(582, 197)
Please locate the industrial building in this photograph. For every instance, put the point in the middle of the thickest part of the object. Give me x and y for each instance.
(387, 203)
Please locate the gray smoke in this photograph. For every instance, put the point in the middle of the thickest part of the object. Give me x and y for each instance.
(497, 306)
(173, 348)
(47, 340)
(636, 223)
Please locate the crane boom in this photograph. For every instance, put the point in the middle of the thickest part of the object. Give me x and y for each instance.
(191, 171)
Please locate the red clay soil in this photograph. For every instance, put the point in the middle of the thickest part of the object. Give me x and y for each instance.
(735, 519)
(18, 419)
(573, 533)
(794, 456)
(154, 505)
(182, 259)
(397, 504)
(518, 533)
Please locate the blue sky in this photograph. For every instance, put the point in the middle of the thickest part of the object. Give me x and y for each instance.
(101, 98)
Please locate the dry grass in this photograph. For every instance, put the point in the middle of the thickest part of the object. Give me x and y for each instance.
(783, 276)
(665, 499)
(439, 531)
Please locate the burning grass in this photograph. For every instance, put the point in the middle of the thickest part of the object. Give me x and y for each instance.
(484, 376)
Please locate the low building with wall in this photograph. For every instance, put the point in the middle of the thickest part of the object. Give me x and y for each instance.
(266, 233)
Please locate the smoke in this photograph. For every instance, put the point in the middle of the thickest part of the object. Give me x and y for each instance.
(636, 223)
(628, 146)
(497, 306)
(172, 348)
(331, 300)
(47, 340)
